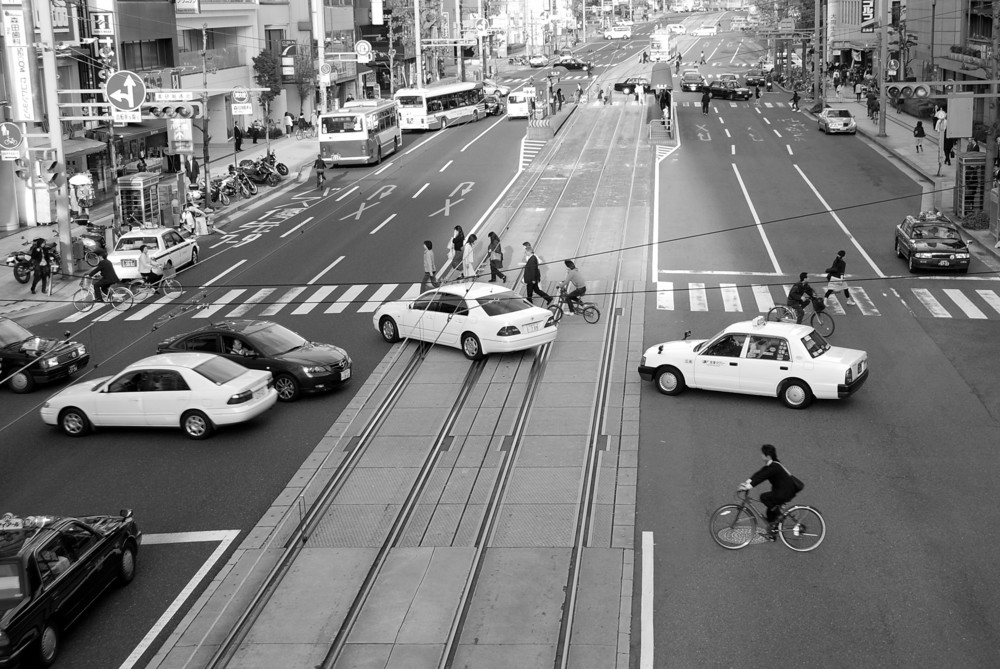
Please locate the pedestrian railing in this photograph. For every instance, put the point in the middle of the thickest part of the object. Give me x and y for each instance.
(660, 130)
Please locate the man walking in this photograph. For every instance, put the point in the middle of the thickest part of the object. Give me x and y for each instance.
(238, 137)
(795, 101)
(532, 275)
(706, 98)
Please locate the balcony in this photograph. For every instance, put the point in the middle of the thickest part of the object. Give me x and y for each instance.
(218, 59)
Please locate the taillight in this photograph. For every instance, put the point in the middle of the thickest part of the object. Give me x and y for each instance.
(240, 398)
(508, 331)
(364, 148)
(849, 376)
(551, 322)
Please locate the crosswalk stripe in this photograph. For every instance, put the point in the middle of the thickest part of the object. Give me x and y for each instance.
(109, 315)
(665, 295)
(763, 298)
(864, 302)
(925, 298)
(834, 307)
(280, 303)
(255, 299)
(378, 298)
(345, 299)
(314, 299)
(731, 297)
(964, 303)
(411, 293)
(218, 304)
(83, 314)
(151, 309)
(697, 297)
(990, 298)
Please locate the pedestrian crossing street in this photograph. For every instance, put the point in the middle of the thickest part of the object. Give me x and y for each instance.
(751, 299)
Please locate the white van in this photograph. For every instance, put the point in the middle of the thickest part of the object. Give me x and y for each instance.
(706, 31)
(518, 105)
(677, 29)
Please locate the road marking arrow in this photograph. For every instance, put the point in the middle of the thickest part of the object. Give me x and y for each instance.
(465, 187)
(357, 215)
(384, 191)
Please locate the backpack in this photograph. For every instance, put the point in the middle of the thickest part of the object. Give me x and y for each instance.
(796, 481)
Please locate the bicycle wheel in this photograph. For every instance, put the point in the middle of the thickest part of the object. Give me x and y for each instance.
(140, 290)
(83, 300)
(802, 528)
(556, 311)
(733, 526)
(591, 314)
(780, 313)
(120, 298)
(92, 258)
(172, 287)
(822, 322)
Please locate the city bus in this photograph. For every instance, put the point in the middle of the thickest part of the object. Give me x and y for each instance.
(440, 106)
(659, 46)
(360, 132)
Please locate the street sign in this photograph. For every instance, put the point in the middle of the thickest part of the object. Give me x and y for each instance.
(363, 47)
(9, 155)
(242, 109)
(173, 96)
(241, 95)
(119, 116)
(893, 64)
(101, 24)
(482, 27)
(10, 136)
(325, 68)
(392, 53)
(180, 137)
(529, 91)
(125, 90)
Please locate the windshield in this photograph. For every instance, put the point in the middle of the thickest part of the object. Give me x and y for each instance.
(11, 592)
(12, 333)
(220, 370)
(410, 101)
(275, 339)
(815, 344)
(345, 123)
(135, 243)
(839, 113)
(506, 302)
(690, 76)
(935, 232)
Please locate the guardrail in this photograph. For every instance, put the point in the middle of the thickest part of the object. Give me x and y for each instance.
(660, 129)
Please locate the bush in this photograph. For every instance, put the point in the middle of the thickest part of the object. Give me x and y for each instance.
(979, 220)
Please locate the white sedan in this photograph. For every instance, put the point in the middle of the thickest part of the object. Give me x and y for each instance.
(478, 318)
(192, 391)
(491, 87)
(784, 360)
(837, 120)
(169, 247)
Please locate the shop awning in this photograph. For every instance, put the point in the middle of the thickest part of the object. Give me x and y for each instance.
(82, 146)
(662, 79)
(135, 131)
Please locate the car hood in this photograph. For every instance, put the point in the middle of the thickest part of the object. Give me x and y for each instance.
(949, 245)
(314, 354)
(37, 346)
(79, 389)
(680, 346)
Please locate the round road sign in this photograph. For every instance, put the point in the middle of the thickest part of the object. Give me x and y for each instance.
(325, 68)
(241, 95)
(10, 136)
(125, 90)
(363, 47)
(893, 64)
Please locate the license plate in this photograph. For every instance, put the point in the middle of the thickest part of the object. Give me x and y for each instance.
(128, 263)
(943, 263)
(532, 327)
(344, 375)
(72, 368)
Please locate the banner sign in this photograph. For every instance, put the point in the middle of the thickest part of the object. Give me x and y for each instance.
(20, 65)
(867, 16)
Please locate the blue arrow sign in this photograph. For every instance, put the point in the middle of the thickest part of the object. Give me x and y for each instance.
(125, 90)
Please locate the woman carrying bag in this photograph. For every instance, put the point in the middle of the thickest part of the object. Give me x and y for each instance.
(495, 254)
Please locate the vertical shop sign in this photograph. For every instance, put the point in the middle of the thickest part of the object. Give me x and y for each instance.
(20, 64)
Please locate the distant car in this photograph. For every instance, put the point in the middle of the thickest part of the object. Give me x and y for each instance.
(573, 63)
(478, 318)
(729, 90)
(754, 77)
(677, 28)
(931, 241)
(168, 246)
(630, 85)
(692, 81)
(494, 105)
(29, 360)
(618, 32)
(52, 569)
(791, 362)
(832, 120)
(297, 364)
(705, 31)
(728, 76)
(538, 61)
(193, 391)
(922, 107)
(491, 87)
(766, 66)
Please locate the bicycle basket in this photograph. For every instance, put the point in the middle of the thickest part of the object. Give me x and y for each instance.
(819, 304)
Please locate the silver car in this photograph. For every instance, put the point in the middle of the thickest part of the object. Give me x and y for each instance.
(837, 120)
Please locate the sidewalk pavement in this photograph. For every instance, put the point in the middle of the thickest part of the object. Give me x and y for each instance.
(16, 299)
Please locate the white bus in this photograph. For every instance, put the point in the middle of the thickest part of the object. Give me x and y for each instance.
(440, 106)
(362, 131)
(659, 46)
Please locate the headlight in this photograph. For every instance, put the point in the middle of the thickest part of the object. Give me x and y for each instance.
(922, 254)
(848, 376)
(961, 256)
(50, 362)
(81, 350)
(46, 405)
(315, 369)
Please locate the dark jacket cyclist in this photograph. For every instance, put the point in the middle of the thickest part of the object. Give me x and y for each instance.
(799, 296)
(782, 488)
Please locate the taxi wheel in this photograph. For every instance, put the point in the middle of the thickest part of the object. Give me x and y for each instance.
(48, 646)
(74, 422)
(912, 266)
(126, 566)
(796, 394)
(670, 381)
(194, 256)
(471, 346)
(196, 425)
(287, 388)
(21, 382)
(899, 251)
(389, 330)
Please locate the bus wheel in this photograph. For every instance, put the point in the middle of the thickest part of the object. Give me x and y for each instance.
(475, 116)
(378, 155)
(444, 122)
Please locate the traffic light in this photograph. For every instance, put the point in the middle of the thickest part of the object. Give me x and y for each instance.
(50, 170)
(22, 168)
(185, 110)
(911, 89)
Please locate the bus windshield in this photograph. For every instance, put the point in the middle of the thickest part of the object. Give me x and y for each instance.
(338, 124)
(410, 101)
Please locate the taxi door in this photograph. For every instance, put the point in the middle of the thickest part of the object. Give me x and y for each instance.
(176, 249)
(767, 363)
(717, 365)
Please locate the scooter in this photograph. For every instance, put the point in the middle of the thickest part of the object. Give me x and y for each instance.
(272, 160)
(260, 172)
(21, 263)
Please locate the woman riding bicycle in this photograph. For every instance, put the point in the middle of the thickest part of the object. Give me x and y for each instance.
(574, 277)
(150, 270)
(782, 487)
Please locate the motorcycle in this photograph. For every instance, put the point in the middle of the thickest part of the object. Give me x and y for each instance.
(243, 183)
(260, 172)
(20, 261)
(272, 160)
(215, 193)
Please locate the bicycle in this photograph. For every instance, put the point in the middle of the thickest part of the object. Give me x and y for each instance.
(167, 284)
(821, 321)
(734, 526)
(305, 133)
(119, 297)
(320, 178)
(589, 310)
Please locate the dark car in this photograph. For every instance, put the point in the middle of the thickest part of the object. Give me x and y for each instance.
(692, 81)
(30, 360)
(494, 105)
(921, 107)
(298, 365)
(573, 63)
(729, 89)
(51, 570)
(754, 77)
(630, 85)
(931, 241)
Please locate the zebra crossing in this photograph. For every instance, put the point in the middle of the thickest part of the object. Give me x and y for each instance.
(733, 103)
(529, 149)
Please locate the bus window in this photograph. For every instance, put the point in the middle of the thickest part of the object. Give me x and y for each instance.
(337, 124)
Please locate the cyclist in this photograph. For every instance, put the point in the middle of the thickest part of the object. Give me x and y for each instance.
(782, 488)
(799, 296)
(149, 269)
(320, 167)
(574, 277)
(108, 276)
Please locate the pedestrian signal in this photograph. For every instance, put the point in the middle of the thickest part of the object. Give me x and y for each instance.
(50, 170)
(22, 168)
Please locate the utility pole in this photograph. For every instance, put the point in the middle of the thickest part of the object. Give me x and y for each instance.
(883, 54)
(991, 138)
(416, 43)
(459, 35)
(319, 32)
(818, 52)
(204, 116)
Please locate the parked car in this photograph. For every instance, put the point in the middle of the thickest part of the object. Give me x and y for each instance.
(692, 81)
(538, 61)
(832, 120)
(171, 247)
(618, 32)
(754, 77)
(494, 105)
(922, 107)
(29, 360)
(573, 63)
(791, 362)
(297, 364)
(52, 569)
(931, 240)
(478, 318)
(630, 85)
(193, 391)
(729, 90)
(491, 87)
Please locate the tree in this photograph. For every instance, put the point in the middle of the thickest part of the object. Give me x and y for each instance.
(305, 75)
(267, 73)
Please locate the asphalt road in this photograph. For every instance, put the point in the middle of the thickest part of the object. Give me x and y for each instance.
(902, 471)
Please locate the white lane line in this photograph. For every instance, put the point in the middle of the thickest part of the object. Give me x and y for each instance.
(83, 314)
(152, 308)
(665, 295)
(990, 298)
(109, 315)
(411, 293)
(382, 224)
(730, 297)
(254, 300)
(865, 304)
(324, 271)
(378, 298)
(346, 193)
(345, 300)
(788, 147)
(187, 537)
(296, 227)
(225, 539)
(697, 297)
(480, 135)
(732, 150)
(756, 220)
(282, 301)
(721, 120)
(964, 303)
(833, 305)
(219, 276)
(419, 191)
(762, 296)
(777, 133)
(310, 303)
(446, 165)
(209, 311)
(646, 606)
(727, 134)
(829, 209)
(387, 166)
(925, 298)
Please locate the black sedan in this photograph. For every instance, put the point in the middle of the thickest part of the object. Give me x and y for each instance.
(494, 105)
(573, 63)
(631, 84)
(297, 364)
(931, 241)
(754, 77)
(27, 360)
(51, 570)
(729, 89)
(692, 81)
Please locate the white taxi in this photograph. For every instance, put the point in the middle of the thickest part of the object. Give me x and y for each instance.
(168, 246)
(791, 362)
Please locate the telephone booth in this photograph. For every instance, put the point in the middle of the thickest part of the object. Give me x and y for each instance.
(140, 198)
